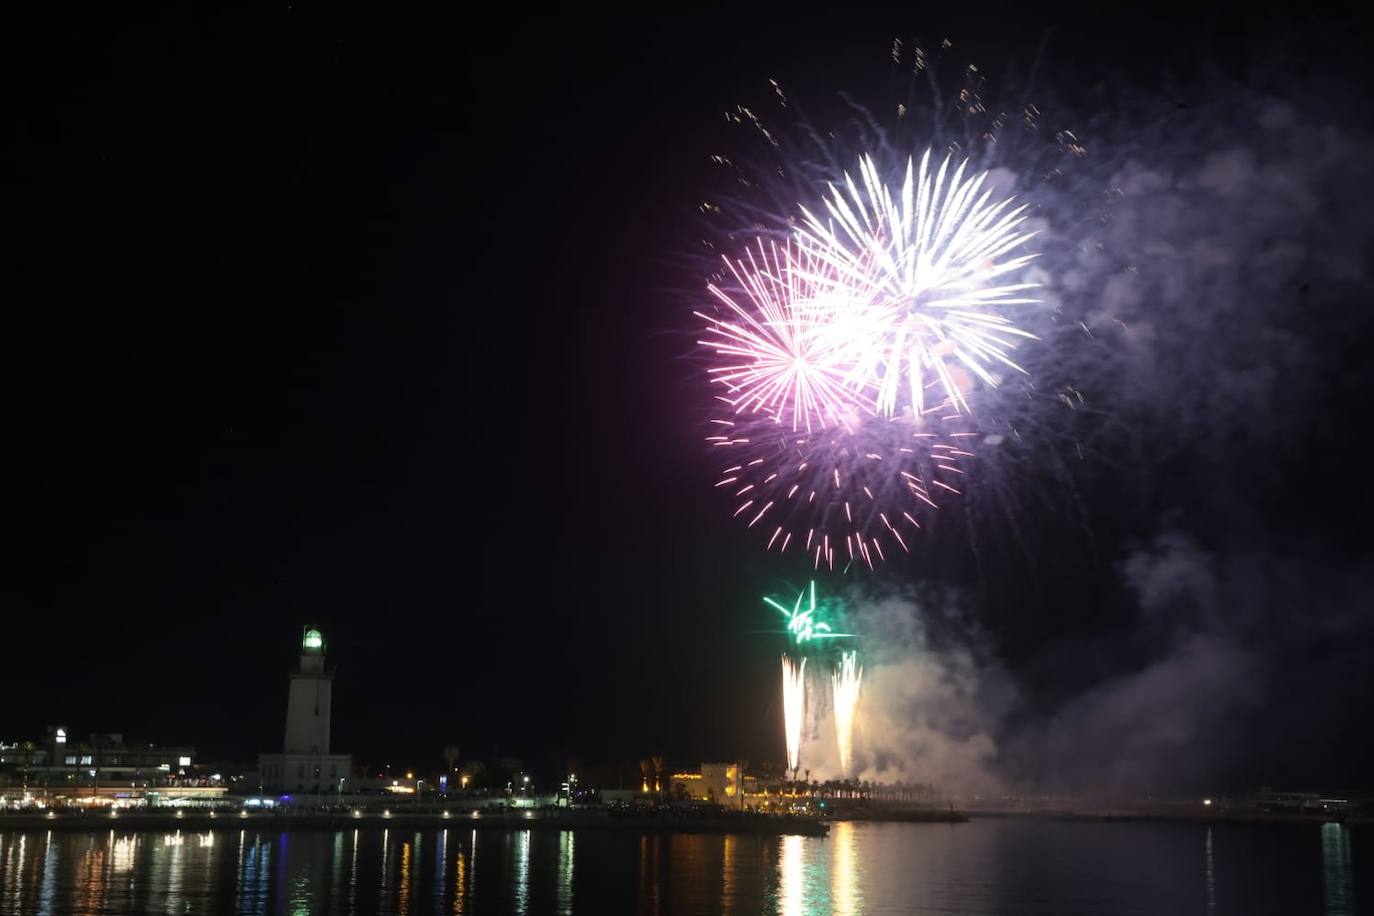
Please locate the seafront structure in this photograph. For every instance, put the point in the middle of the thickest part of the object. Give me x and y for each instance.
(103, 770)
(306, 764)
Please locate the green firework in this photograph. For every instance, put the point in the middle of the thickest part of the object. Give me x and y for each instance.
(806, 625)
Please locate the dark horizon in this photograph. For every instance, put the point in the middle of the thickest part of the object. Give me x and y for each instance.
(385, 326)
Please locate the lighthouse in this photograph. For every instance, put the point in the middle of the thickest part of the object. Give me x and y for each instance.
(307, 705)
(306, 764)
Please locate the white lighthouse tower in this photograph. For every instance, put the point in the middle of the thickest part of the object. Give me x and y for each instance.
(306, 765)
(307, 705)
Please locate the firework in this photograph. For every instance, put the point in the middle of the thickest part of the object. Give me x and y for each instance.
(846, 494)
(921, 276)
(785, 356)
(803, 626)
(793, 707)
(814, 335)
(845, 690)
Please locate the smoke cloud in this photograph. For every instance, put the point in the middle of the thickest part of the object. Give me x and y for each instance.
(932, 699)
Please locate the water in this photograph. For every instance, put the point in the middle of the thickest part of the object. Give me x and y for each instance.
(988, 866)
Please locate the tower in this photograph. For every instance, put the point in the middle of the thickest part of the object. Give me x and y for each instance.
(307, 704)
(306, 765)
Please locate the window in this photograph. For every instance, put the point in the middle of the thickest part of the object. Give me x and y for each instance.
(183, 761)
(61, 736)
(85, 760)
(71, 760)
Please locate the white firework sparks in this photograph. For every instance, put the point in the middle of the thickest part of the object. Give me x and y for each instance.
(845, 684)
(925, 272)
(793, 707)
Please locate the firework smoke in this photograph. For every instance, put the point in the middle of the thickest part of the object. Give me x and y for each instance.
(793, 707)
(845, 690)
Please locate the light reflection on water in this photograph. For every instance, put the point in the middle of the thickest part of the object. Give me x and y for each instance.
(522, 871)
(845, 873)
(984, 867)
(1211, 876)
(567, 841)
(1340, 890)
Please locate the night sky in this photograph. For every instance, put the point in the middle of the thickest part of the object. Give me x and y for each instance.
(384, 325)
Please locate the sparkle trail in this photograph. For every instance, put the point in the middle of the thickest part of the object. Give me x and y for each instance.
(793, 707)
(845, 692)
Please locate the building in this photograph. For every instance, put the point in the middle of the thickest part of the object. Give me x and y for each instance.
(104, 770)
(306, 765)
(720, 783)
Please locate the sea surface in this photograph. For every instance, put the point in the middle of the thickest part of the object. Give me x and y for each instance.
(987, 866)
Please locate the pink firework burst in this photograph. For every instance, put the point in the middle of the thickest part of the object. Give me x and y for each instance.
(841, 494)
(785, 340)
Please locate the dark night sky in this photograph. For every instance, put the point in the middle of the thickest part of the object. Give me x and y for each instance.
(377, 324)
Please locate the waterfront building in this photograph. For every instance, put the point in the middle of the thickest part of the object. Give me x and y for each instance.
(105, 769)
(720, 783)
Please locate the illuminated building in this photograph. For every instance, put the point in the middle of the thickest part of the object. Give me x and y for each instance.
(105, 769)
(306, 764)
(714, 782)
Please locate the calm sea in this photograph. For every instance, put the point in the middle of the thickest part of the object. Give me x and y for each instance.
(987, 866)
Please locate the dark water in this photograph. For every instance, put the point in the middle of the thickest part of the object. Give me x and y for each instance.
(988, 866)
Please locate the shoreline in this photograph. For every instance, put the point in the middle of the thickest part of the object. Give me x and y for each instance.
(1220, 817)
(752, 825)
